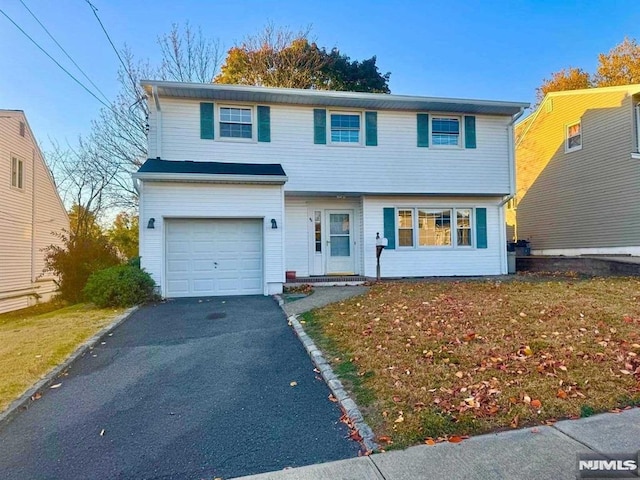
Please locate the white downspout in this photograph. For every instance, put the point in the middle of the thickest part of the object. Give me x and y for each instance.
(512, 162)
(638, 127)
(156, 100)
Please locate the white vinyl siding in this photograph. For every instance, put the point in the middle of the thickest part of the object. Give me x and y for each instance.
(418, 262)
(313, 168)
(163, 201)
(28, 218)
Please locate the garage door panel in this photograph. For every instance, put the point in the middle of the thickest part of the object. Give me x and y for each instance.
(195, 246)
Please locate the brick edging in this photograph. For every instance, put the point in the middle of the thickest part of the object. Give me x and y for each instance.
(23, 402)
(335, 385)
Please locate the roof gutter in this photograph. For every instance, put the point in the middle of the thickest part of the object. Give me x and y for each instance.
(211, 178)
(512, 162)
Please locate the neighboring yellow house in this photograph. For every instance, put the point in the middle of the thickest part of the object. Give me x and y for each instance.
(30, 211)
(578, 174)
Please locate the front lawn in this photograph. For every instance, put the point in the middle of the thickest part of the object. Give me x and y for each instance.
(439, 360)
(35, 340)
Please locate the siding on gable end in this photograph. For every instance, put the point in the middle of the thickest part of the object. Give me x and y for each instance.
(587, 198)
(313, 168)
(29, 217)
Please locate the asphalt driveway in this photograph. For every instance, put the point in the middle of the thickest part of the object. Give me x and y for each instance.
(186, 389)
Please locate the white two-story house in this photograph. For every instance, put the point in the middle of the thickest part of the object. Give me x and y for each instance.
(244, 184)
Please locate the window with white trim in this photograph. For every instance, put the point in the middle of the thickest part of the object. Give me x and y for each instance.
(435, 227)
(236, 122)
(445, 131)
(405, 228)
(17, 172)
(573, 137)
(345, 127)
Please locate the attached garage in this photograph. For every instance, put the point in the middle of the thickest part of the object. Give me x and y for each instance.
(206, 257)
(211, 228)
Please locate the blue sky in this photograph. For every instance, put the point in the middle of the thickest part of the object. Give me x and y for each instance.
(498, 50)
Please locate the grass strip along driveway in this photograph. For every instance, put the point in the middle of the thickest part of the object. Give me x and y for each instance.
(35, 340)
(439, 360)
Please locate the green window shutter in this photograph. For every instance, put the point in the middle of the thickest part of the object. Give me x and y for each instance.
(423, 129)
(371, 128)
(389, 215)
(469, 131)
(319, 126)
(264, 124)
(206, 121)
(481, 228)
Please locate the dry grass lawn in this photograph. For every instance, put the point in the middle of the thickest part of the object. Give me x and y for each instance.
(439, 360)
(34, 340)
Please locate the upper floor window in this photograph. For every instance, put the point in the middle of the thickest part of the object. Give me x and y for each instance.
(445, 131)
(345, 128)
(235, 122)
(17, 173)
(573, 137)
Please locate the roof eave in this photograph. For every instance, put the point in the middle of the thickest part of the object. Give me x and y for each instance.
(378, 101)
(210, 178)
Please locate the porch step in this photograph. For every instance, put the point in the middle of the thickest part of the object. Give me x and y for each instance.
(328, 280)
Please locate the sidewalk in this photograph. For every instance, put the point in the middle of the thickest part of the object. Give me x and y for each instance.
(530, 453)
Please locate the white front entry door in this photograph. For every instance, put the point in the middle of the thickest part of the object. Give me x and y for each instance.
(340, 254)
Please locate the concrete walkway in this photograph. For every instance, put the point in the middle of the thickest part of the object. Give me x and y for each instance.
(530, 453)
(322, 296)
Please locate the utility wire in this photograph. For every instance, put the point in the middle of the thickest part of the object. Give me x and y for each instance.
(110, 107)
(54, 60)
(126, 69)
(64, 51)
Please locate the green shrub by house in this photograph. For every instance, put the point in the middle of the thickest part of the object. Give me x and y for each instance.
(120, 286)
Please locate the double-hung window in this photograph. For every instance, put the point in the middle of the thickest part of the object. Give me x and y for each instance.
(17, 173)
(573, 137)
(345, 128)
(434, 227)
(236, 122)
(445, 131)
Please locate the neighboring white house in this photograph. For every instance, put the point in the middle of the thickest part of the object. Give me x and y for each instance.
(30, 210)
(246, 183)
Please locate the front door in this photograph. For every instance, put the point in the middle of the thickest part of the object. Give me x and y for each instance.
(340, 256)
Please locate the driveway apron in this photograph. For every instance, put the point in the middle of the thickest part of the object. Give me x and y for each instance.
(187, 389)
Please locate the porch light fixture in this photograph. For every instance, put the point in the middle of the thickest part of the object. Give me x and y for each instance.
(274, 224)
(152, 223)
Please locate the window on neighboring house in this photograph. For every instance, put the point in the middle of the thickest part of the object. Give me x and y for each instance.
(345, 128)
(318, 230)
(22, 129)
(17, 172)
(405, 228)
(235, 122)
(445, 131)
(574, 137)
(435, 227)
(463, 227)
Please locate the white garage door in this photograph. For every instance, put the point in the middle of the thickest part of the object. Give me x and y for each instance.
(213, 257)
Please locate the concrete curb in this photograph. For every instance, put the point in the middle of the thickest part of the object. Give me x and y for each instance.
(24, 401)
(346, 402)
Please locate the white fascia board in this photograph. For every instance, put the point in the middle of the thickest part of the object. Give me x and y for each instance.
(210, 178)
